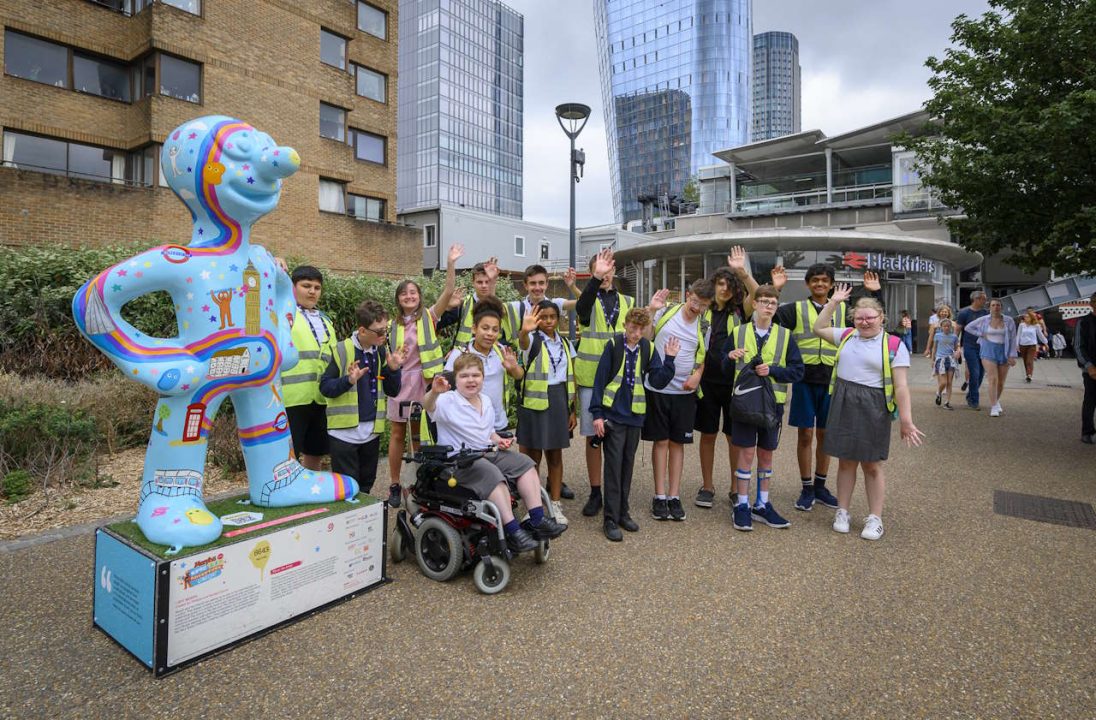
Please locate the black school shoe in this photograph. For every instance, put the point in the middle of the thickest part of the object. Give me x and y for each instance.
(548, 529)
(567, 493)
(592, 506)
(677, 511)
(612, 531)
(520, 541)
(627, 523)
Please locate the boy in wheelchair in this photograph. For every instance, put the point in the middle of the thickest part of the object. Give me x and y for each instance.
(466, 419)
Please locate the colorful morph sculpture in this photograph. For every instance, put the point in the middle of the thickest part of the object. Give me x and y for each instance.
(234, 308)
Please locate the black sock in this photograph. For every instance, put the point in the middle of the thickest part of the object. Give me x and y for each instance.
(807, 482)
(819, 480)
(595, 491)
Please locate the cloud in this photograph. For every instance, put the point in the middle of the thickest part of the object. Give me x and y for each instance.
(834, 106)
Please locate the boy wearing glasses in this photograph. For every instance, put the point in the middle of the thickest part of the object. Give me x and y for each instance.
(777, 358)
(360, 373)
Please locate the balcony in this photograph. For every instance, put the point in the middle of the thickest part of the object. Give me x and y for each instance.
(814, 199)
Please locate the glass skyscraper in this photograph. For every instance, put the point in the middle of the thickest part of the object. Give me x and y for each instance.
(460, 106)
(776, 91)
(675, 81)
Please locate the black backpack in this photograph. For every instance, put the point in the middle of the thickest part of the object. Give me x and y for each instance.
(753, 401)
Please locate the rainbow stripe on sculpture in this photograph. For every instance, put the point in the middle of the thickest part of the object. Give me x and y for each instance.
(234, 308)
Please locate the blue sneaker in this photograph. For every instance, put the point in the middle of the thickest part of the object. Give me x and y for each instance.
(766, 514)
(742, 519)
(806, 499)
(824, 496)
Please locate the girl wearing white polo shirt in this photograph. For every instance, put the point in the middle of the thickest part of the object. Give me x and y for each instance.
(466, 418)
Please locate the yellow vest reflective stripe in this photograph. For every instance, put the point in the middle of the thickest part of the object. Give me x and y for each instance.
(814, 349)
(301, 383)
(464, 327)
(888, 374)
(774, 351)
(537, 375)
(595, 336)
(430, 354)
(639, 393)
(342, 411)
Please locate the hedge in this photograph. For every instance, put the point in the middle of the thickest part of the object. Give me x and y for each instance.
(38, 335)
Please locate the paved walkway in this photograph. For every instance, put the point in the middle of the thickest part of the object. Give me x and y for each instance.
(957, 612)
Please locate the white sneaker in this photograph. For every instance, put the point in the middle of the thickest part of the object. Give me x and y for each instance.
(873, 528)
(557, 512)
(995, 411)
(841, 521)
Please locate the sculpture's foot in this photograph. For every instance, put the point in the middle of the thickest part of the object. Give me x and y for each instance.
(303, 487)
(178, 521)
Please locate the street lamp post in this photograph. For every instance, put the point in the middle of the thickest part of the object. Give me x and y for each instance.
(572, 118)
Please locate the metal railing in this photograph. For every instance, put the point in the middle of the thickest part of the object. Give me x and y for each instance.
(917, 199)
(816, 197)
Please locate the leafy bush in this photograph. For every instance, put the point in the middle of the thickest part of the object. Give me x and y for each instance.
(39, 336)
(121, 410)
(17, 485)
(68, 458)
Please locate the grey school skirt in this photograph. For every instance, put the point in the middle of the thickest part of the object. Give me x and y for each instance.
(859, 426)
(546, 429)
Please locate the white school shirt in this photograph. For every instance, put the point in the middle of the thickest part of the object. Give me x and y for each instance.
(525, 307)
(685, 332)
(493, 379)
(861, 359)
(315, 319)
(460, 424)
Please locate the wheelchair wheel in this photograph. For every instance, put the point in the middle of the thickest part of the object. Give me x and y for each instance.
(438, 549)
(397, 551)
(494, 581)
(543, 551)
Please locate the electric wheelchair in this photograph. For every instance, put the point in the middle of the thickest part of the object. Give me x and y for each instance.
(449, 528)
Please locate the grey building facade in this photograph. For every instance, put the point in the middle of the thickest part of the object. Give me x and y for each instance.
(460, 106)
(777, 94)
(675, 79)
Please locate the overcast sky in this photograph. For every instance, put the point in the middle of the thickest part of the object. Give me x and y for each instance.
(862, 61)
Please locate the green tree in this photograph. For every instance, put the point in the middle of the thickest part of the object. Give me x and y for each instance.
(1015, 143)
(691, 192)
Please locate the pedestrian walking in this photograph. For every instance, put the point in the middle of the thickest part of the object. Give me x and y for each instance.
(946, 344)
(997, 349)
(1031, 336)
(969, 346)
(1084, 344)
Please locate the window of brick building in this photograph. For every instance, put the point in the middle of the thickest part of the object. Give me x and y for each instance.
(180, 78)
(332, 49)
(332, 196)
(372, 20)
(332, 122)
(58, 157)
(33, 59)
(367, 146)
(370, 84)
(194, 7)
(365, 208)
(98, 76)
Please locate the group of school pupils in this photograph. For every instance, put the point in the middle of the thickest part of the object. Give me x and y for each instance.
(657, 373)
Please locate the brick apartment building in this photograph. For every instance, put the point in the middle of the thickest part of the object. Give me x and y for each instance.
(91, 88)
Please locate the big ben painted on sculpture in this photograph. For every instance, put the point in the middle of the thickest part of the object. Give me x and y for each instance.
(251, 300)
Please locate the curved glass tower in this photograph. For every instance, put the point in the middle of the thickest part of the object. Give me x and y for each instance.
(675, 81)
(777, 95)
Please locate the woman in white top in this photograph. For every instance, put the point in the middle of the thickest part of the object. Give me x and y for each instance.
(1031, 336)
(997, 344)
(869, 381)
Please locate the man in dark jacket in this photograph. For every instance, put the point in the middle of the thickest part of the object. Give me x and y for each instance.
(1084, 343)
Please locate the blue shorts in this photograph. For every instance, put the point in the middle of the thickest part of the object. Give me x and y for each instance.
(810, 405)
(994, 352)
(745, 435)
